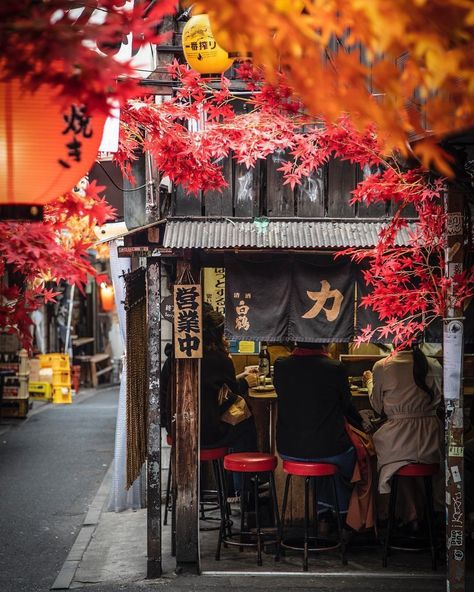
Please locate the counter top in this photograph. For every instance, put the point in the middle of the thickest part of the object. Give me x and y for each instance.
(258, 393)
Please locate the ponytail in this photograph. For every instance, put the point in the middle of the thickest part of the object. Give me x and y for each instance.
(420, 370)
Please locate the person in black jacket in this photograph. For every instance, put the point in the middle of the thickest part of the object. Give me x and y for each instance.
(217, 369)
(314, 401)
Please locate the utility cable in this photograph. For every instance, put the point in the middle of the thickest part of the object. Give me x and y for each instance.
(122, 188)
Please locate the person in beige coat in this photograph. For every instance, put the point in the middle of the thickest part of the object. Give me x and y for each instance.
(406, 389)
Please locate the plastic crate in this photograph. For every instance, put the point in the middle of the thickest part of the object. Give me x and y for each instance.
(62, 395)
(15, 408)
(61, 378)
(10, 392)
(40, 390)
(59, 362)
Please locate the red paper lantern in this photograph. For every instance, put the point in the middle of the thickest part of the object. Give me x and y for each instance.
(107, 297)
(44, 149)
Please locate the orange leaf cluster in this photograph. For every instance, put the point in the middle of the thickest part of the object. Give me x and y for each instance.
(407, 66)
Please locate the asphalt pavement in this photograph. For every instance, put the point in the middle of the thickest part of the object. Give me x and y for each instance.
(51, 466)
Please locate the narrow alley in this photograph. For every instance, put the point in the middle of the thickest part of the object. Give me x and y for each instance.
(51, 466)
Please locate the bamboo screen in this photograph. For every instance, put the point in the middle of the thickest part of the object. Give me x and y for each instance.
(137, 375)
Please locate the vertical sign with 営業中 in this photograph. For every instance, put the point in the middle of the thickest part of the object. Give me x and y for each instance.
(187, 321)
(214, 288)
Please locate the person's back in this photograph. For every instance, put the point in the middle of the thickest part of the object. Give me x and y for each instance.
(398, 391)
(406, 389)
(216, 370)
(313, 395)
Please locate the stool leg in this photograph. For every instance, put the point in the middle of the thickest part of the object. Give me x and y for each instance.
(275, 501)
(282, 518)
(243, 493)
(306, 521)
(430, 519)
(391, 518)
(168, 493)
(339, 522)
(315, 508)
(223, 485)
(221, 502)
(257, 521)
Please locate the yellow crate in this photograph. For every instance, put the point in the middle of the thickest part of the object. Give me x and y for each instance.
(62, 395)
(61, 378)
(40, 390)
(58, 362)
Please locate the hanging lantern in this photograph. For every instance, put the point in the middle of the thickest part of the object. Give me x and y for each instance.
(107, 297)
(44, 149)
(201, 50)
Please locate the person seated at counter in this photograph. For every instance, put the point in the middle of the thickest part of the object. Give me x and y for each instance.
(406, 389)
(217, 370)
(314, 400)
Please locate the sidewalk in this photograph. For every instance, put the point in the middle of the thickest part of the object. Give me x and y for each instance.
(111, 556)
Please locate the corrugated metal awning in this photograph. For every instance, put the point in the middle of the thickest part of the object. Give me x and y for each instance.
(275, 234)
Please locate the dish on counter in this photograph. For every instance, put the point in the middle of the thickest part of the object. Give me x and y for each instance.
(262, 389)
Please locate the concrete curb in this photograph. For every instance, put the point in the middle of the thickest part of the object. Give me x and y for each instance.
(68, 571)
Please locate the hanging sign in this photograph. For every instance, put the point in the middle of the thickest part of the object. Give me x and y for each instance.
(322, 302)
(214, 288)
(187, 321)
(257, 299)
(166, 308)
(290, 300)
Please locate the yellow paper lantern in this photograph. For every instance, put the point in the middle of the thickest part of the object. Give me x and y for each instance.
(201, 50)
(45, 149)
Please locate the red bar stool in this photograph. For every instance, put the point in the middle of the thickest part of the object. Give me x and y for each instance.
(315, 471)
(251, 464)
(410, 471)
(216, 456)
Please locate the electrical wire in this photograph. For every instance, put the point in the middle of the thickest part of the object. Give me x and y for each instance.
(115, 184)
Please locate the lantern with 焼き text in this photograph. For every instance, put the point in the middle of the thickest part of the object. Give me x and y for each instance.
(46, 146)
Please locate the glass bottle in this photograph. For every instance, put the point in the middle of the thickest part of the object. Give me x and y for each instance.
(264, 361)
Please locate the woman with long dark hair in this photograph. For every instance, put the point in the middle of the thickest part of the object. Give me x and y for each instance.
(406, 388)
(217, 370)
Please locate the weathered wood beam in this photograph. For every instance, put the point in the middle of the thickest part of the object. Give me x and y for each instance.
(187, 459)
(154, 565)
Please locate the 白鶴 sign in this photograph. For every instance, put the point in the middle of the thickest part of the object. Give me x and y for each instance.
(187, 321)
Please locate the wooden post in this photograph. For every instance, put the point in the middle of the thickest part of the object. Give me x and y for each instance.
(453, 394)
(187, 459)
(154, 567)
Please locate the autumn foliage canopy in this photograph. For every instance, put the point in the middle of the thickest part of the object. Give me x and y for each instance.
(189, 136)
(414, 76)
(318, 96)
